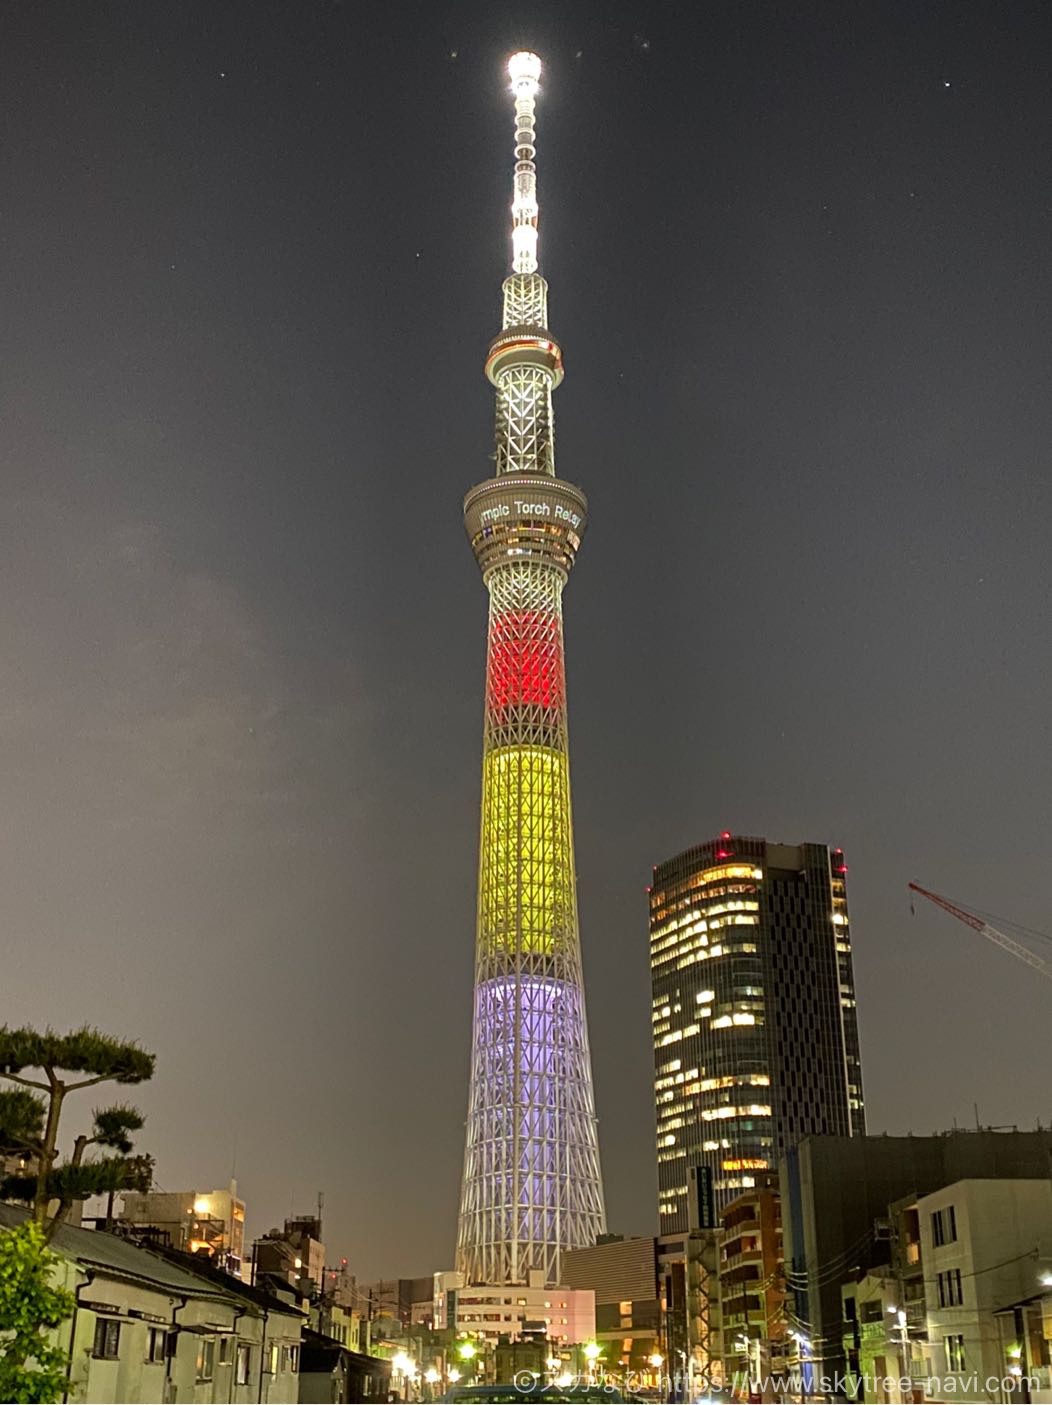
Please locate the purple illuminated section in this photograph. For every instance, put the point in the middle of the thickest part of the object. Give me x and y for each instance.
(529, 1034)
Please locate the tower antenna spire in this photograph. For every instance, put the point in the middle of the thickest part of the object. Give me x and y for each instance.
(524, 70)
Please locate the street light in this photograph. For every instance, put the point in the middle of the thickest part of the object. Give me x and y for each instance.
(592, 1353)
(432, 1376)
(406, 1368)
(655, 1361)
(466, 1351)
(453, 1374)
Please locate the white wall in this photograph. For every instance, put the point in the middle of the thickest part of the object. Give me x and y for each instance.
(999, 1223)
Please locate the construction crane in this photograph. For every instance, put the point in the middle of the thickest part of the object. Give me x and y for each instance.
(1023, 953)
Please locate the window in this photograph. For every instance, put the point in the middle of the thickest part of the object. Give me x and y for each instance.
(225, 1345)
(157, 1344)
(106, 1346)
(206, 1359)
(243, 1369)
(954, 1347)
(949, 1286)
(944, 1226)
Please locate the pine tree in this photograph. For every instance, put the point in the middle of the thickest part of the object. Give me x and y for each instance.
(29, 1122)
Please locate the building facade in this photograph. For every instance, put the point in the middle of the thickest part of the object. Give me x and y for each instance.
(986, 1245)
(531, 1186)
(623, 1275)
(295, 1254)
(755, 1031)
(855, 1207)
(206, 1222)
(330, 1371)
(148, 1327)
(752, 1283)
(485, 1313)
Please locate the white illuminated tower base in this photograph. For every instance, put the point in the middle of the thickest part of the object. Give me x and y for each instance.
(532, 1184)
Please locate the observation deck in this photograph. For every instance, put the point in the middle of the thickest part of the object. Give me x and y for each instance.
(525, 517)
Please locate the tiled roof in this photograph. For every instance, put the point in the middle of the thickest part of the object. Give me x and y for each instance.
(112, 1254)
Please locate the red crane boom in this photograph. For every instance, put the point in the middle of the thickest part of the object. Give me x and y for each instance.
(1008, 943)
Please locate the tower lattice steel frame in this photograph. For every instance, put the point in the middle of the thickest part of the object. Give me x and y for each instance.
(532, 1183)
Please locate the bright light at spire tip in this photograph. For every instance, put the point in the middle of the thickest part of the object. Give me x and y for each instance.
(524, 70)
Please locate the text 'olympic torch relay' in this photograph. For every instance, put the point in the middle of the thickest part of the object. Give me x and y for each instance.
(532, 1184)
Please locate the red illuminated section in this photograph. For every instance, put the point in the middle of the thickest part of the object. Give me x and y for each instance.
(525, 660)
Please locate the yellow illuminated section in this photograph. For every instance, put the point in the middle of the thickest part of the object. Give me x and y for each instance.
(526, 901)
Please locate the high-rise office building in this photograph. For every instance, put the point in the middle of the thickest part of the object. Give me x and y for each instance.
(531, 1184)
(753, 1008)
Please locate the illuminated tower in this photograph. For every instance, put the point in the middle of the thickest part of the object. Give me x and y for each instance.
(531, 1183)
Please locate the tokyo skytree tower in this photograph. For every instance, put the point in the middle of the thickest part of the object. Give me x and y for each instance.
(532, 1184)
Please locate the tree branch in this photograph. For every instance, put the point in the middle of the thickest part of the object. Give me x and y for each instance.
(88, 1082)
(78, 1149)
(25, 1082)
(64, 1207)
(26, 1144)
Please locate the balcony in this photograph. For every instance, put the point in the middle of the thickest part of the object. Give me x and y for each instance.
(750, 1258)
(740, 1227)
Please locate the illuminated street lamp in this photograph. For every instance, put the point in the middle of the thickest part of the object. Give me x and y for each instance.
(453, 1375)
(406, 1368)
(592, 1353)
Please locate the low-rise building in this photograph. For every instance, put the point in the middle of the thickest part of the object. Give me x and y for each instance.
(206, 1222)
(295, 1254)
(961, 1305)
(488, 1312)
(152, 1327)
(837, 1196)
(332, 1372)
(985, 1247)
(877, 1346)
(340, 1324)
(753, 1326)
(623, 1275)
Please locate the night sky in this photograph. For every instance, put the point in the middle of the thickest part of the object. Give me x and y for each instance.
(799, 258)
